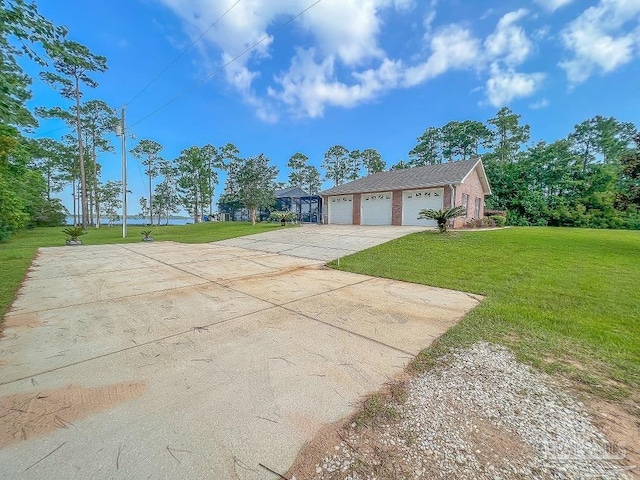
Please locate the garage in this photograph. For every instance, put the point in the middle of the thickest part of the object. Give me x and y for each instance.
(376, 208)
(396, 197)
(415, 200)
(341, 209)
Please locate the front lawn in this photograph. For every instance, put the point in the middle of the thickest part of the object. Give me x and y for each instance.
(565, 300)
(16, 254)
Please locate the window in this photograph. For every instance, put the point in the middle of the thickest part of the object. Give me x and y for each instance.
(476, 212)
(465, 204)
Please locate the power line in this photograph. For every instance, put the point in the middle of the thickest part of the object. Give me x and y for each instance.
(39, 135)
(182, 53)
(218, 70)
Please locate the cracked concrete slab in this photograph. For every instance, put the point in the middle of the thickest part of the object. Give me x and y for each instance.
(238, 355)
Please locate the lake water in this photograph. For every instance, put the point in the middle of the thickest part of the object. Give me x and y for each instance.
(138, 221)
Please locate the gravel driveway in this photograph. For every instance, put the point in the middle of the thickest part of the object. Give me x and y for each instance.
(478, 415)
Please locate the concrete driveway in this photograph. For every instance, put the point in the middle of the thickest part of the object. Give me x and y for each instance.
(321, 242)
(166, 360)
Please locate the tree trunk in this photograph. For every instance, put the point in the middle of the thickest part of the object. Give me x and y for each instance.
(73, 195)
(48, 184)
(252, 214)
(210, 192)
(96, 197)
(79, 203)
(195, 205)
(91, 205)
(83, 177)
(150, 195)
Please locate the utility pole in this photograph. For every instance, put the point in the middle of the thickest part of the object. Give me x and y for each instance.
(121, 132)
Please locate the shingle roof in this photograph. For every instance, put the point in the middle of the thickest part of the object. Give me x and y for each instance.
(452, 173)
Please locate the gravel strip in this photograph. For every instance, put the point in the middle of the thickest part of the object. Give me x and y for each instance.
(479, 414)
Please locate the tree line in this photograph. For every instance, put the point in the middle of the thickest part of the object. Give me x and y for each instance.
(32, 170)
(590, 178)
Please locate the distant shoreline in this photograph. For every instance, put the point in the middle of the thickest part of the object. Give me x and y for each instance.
(138, 221)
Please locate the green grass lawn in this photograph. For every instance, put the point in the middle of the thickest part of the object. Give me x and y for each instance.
(565, 300)
(16, 254)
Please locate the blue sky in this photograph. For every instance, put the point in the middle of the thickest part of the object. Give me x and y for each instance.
(360, 73)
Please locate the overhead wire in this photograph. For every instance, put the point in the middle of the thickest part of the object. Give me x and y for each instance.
(164, 70)
(39, 135)
(182, 53)
(222, 67)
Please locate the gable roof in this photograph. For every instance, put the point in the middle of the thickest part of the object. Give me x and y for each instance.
(451, 173)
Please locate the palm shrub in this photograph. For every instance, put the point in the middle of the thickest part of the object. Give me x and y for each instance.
(442, 217)
(282, 216)
(73, 233)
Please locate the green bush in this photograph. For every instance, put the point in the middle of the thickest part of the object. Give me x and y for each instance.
(50, 214)
(499, 220)
(5, 232)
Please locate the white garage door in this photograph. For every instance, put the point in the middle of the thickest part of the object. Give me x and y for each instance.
(376, 208)
(341, 209)
(415, 200)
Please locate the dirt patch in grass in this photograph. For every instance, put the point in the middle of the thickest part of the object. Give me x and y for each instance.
(22, 322)
(28, 415)
(620, 422)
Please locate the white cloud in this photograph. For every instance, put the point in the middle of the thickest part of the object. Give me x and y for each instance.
(506, 48)
(453, 47)
(507, 85)
(348, 29)
(553, 5)
(542, 103)
(601, 40)
(338, 57)
(429, 18)
(509, 40)
(405, 5)
(345, 30)
(309, 85)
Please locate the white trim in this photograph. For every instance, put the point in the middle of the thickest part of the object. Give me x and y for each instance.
(483, 178)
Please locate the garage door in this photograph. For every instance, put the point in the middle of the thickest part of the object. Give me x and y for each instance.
(376, 208)
(415, 200)
(341, 209)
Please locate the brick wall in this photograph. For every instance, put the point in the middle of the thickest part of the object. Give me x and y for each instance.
(446, 201)
(473, 188)
(357, 201)
(396, 208)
